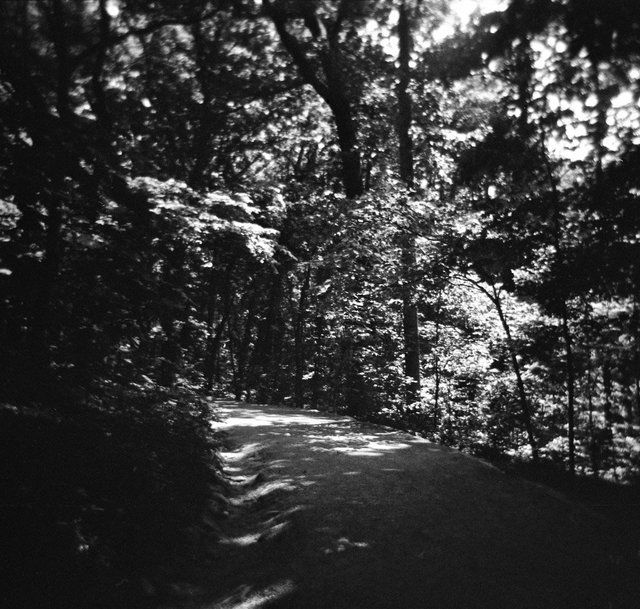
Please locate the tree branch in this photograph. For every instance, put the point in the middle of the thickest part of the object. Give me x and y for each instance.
(295, 50)
(80, 58)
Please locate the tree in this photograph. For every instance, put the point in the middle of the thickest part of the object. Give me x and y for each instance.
(405, 163)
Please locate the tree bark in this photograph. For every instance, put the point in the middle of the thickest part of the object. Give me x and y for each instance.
(263, 359)
(524, 402)
(570, 376)
(436, 370)
(206, 55)
(635, 317)
(243, 349)
(332, 88)
(99, 98)
(567, 339)
(300, 360)
(410, 320)
(608, 436)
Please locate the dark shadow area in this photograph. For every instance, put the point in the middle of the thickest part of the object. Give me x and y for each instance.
(103, 506)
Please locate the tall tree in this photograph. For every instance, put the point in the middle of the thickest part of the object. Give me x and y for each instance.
(326, 72)
(411, 327)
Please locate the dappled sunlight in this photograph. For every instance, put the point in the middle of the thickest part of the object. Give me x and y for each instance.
(353, 451)
(246, 597)
(251, 418)
(342, 544)
(357, 444)
(388, 445)
(347, 501)
(263, 490)
(267, 530)
(270, 532)
(315, 430)
(241, 453)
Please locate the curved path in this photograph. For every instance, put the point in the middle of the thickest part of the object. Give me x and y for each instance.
(331, 513)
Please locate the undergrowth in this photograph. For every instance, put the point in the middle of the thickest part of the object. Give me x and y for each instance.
(109, 502)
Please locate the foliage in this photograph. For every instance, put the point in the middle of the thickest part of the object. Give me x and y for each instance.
(243, 198)
(119, 495)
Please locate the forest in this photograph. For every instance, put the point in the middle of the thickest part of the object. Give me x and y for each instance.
(390, 209)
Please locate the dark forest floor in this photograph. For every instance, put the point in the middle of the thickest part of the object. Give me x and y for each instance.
(328, 512)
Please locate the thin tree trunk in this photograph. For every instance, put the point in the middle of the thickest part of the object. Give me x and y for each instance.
(319, 326)
(243, 350)
(436, 370)
(97, 87)
(263, 358)
(636, 354)
(570, 376)
(213, 351)
(564, 314)
(299, 339)
(593, 444)
(51, 198)
(607, 383)
(524, 402)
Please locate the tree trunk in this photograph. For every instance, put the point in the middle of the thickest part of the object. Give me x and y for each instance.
(169, 354)
(404, 115)
(609, 435)
(436, 371)
(594, 448)
(564, 313)
(299, 339)
(635, 329)
(524, 402)
(332, 89)
(206, 56)
(263, 358)
(243, 349)
(410, 321)
(212, 358)
(316, 388)
(570, 376)
(99, 104)
(51, 196)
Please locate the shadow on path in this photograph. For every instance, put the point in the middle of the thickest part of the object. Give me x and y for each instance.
(331, 513)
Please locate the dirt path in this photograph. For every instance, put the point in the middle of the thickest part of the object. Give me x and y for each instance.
(331, 513)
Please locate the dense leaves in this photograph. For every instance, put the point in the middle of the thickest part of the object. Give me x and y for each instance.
(341, 205)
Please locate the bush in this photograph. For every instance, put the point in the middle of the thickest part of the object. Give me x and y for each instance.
(105, 505)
